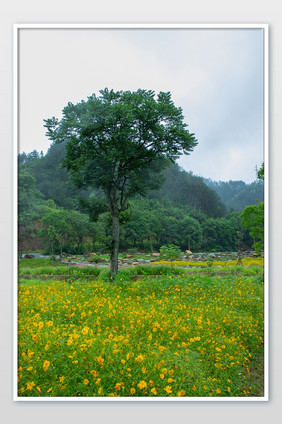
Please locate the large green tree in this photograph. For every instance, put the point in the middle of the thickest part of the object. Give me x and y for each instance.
(119, 142)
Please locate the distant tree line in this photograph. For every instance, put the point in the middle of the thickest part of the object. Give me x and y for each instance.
(187, 211)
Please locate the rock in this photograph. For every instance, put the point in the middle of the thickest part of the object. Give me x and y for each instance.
(143, 261)
(129, 256)
(28, 256)
(156, 254)
(188, 252)
(90, 255)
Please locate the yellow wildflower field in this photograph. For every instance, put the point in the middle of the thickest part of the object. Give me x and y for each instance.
(170, 336)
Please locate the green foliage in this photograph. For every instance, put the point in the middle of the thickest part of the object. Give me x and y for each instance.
(170, 252)
(253, 219)
(104, 275)
(55, 269)
(148, 224)
(96, 259)
(260, 173)
(183, 188)
(120, 140)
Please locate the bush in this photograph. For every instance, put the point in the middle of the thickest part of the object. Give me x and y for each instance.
(170, 252)
(96, 259)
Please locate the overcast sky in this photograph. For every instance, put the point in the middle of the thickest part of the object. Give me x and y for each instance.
(214, 75)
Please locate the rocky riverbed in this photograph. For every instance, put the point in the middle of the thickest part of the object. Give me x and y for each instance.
(140, 258)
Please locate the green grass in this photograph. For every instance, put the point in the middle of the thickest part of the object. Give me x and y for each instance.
(181, 333)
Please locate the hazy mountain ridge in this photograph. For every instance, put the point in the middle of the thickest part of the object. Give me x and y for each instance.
(236, 195)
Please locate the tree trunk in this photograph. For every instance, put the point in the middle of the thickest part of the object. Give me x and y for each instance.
(115, 245)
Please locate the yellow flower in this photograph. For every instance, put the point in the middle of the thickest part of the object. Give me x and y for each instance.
(100, 360)
(85, 330)
(47, 345)
(144, 370)
(132, 390)
(29, 368)
(228, 389)
(38, 389)
(170, 380)
(139, 358)
(161, 375)
(49, 323)
(94, 373)
(49, 390)
(218, 391)
(99, 391)
(123, 361)
(151, 383)
(181, 393)
(29, 386)
(154, 391)
(118, 386)
(194, 388)
(46, 365)
(142, 384)
(168, 389)
(62, 379)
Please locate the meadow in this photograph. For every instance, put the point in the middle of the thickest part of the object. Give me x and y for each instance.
(173, 332)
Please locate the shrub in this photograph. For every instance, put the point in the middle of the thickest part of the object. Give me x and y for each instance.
(170, 252)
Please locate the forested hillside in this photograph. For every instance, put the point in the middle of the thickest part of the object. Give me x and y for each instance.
(237, 195)
(187, 210)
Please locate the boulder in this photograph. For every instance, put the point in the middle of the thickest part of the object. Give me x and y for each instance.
(28, 256)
